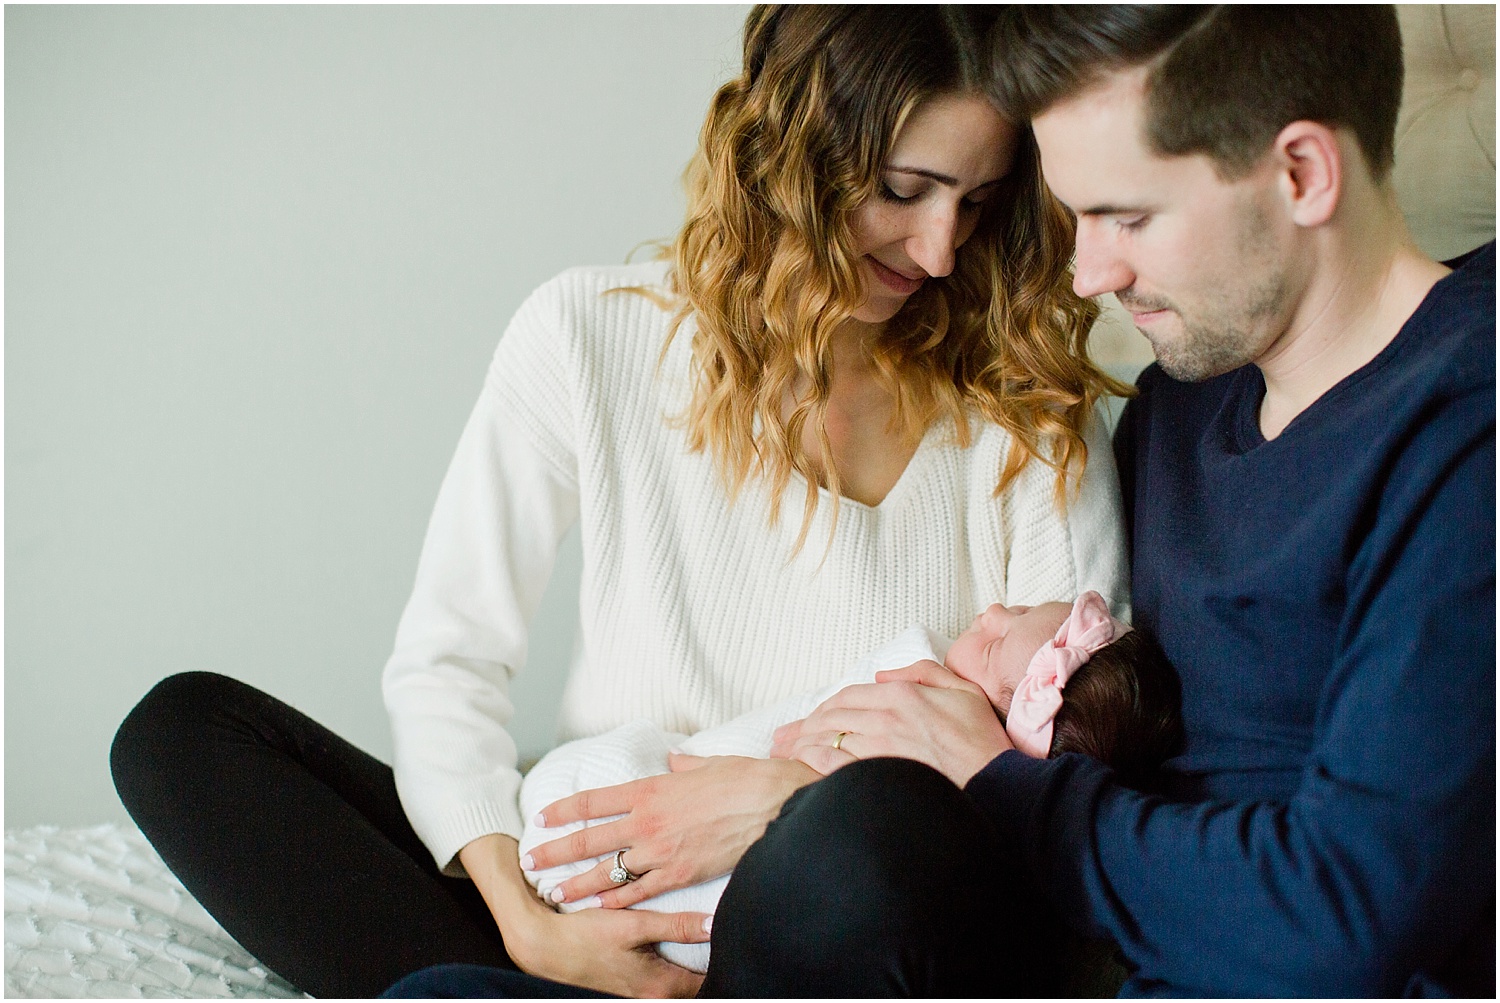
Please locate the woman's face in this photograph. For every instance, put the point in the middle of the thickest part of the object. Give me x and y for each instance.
(948, 157)
(996, 650)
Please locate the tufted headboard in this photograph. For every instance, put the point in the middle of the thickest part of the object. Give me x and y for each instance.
(1445, 138)
(1445, 151)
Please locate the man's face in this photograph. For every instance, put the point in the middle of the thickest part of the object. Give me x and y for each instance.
(1198, 261)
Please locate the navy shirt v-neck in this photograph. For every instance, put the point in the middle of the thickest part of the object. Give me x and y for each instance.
(1328, 599)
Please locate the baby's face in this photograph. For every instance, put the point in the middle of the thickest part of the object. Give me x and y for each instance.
(996, 649)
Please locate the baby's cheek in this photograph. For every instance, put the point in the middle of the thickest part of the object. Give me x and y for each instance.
(964, 668)
(964, 660)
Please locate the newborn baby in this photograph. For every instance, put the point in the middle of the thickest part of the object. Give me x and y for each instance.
(1021, 657)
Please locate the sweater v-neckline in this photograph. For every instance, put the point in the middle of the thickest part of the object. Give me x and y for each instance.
(897, 489)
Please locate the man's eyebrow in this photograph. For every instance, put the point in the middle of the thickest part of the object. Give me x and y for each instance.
(942, 179)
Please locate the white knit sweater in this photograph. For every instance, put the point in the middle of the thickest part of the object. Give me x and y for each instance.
(693, 610)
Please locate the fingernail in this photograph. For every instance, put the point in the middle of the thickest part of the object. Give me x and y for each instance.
(537, 819)
(592, 902)
(527, 864)
(557, 894)
(708, 924)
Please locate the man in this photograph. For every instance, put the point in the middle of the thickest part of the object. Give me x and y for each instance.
(1310, 472)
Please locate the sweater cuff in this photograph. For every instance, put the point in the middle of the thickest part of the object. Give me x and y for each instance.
(451, 833)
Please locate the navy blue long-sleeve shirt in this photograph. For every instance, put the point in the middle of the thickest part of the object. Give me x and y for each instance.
(1328, 599)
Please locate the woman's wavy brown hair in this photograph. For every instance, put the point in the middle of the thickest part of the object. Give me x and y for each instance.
(766, 269)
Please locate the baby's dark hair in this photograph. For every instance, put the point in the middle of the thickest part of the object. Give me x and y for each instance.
(1123, 707)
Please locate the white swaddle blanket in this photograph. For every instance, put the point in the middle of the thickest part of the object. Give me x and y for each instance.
(639, 749)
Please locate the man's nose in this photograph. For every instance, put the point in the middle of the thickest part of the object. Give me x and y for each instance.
(1098, 268)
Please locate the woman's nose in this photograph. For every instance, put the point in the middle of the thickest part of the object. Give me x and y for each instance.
(936, 239)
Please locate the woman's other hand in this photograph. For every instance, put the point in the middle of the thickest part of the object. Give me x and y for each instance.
(677, 829)
(922, 712)
(595, 948)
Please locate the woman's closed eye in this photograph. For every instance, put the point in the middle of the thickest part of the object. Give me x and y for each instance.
(974, 200)
(980, 195)
(892, 195)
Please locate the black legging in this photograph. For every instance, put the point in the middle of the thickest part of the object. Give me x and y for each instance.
(880, 880)
(292, 838)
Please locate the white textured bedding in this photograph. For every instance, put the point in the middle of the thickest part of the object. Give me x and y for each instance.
(93, 912)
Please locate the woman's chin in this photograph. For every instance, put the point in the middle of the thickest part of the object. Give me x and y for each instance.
(878, 311)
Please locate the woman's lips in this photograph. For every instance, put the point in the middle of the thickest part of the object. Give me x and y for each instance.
(894, 280)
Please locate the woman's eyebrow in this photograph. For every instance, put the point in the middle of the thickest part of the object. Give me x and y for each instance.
(942, 179)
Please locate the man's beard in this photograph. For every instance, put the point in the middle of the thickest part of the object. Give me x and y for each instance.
(1202, 352)
(1218, 341)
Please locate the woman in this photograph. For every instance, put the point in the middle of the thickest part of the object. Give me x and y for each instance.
(856, 397)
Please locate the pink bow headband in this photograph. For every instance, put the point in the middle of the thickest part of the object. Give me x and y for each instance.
(1038, 695)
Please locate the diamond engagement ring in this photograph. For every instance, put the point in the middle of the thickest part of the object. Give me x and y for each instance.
(619, 873)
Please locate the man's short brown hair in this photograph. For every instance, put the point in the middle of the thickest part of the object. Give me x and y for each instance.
(1224, 79)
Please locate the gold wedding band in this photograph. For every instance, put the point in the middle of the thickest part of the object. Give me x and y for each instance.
(838, 740)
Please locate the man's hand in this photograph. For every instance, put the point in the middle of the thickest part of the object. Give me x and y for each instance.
(677, 829)
(922, 712)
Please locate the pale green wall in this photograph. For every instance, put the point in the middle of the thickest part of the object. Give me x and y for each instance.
(256, 260)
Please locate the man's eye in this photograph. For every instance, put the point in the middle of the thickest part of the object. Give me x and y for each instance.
(1131, 222)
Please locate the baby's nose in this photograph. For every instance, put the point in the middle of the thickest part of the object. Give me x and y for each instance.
(998, 615)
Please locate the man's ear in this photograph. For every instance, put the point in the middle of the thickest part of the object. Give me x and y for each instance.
(1311, 165)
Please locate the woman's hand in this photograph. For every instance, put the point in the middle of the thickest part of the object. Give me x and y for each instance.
(678, 829)
(922, 712)
(596, 948)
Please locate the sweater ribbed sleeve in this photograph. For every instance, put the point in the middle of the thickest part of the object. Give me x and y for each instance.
(509, 496)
